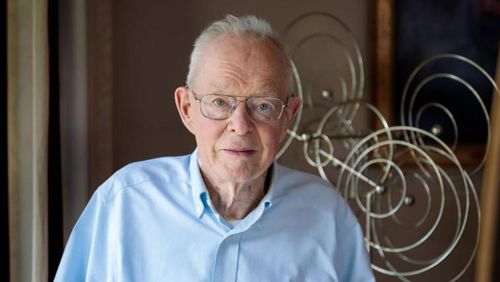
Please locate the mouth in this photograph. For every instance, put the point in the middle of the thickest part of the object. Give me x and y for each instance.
(240, 152)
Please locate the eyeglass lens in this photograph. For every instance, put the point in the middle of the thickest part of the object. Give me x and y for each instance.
(262, 109)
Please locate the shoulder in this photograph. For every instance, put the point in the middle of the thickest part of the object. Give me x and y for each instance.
(284, 171)
(314, 193)
(162, 170)
(291, 179)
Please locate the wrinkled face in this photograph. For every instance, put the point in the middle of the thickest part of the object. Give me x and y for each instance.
(237, 149)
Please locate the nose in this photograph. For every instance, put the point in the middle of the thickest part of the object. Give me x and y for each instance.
(239, 121)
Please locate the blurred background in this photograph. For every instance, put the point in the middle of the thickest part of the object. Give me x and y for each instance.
(89, 88)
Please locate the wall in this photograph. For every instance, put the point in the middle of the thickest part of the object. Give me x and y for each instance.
(152, 41)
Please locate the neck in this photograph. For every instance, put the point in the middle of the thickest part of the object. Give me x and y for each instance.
(235, 200)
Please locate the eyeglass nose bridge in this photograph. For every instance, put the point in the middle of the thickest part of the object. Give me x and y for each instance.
(236, 104)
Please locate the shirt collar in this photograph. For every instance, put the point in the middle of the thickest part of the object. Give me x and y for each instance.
(198, 189)
(267, 201)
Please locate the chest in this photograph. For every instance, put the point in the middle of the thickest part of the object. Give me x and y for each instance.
(197, 252)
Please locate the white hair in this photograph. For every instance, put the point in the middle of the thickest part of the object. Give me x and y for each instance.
(258, 27)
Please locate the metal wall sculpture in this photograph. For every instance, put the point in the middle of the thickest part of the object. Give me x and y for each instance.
(417, 204)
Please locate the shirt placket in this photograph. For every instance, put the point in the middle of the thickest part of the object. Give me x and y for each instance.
(228, 252)
(227, 258)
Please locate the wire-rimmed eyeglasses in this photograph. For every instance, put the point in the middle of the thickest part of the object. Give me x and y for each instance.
(264, 109)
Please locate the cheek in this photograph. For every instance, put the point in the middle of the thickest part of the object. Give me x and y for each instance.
(270, 140)
(207, 132)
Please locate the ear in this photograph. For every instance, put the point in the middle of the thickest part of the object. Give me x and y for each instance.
(293, 107)
(183, 104)
(291, 110)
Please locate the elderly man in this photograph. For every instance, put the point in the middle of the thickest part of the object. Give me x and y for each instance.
(228, 211)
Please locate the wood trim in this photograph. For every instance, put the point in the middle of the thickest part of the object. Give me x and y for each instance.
(489, 195)
(383, 58)
(100, 91)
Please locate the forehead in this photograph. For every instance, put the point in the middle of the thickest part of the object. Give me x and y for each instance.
(241, 63)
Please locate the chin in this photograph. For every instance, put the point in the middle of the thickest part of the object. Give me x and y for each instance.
(242, 174)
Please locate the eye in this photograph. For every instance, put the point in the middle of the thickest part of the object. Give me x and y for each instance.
(219, 102)
(264, 107)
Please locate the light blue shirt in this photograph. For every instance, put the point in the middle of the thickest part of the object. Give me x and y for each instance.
(154, 221)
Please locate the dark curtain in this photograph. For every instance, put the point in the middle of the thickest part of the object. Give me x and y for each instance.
(54, 166)
(426, 28)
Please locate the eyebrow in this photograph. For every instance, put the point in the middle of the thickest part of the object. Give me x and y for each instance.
(268, 86)
(255, 94)
(224, 89)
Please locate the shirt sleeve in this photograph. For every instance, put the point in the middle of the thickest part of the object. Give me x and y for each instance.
(352, 259)
(86, 256)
